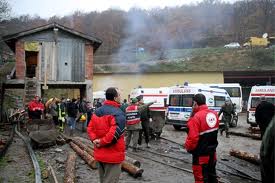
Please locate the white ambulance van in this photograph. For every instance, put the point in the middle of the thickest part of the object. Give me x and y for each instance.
(234, 90)
(254, 99)
(158, 109)
(98, 96)
(180, 101)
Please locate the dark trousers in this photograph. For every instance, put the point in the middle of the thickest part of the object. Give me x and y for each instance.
(55, 120)
(204, 168)
(109, 173)
(145, 131)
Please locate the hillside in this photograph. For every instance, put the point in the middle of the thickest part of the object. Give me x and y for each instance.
(204, 59)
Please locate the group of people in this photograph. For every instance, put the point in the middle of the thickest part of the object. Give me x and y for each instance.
(109, 123)
(64, 113)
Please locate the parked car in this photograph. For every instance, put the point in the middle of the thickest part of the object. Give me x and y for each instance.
(232, 45)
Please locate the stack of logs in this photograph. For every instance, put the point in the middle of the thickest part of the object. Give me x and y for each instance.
(86, 153)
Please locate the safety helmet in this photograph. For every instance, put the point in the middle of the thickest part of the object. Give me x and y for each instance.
(83, 118)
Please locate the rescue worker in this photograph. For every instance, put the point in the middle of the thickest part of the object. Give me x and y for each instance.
(228, 110)
(202, 141)
(72, 114)
(144, 117)
(61, 110)
(263, 114)
(133, 124)
(83, 109)
(267, 153)
(124, 105)
(89, 112)
(106, 131)
(53, 110)
(35, 108)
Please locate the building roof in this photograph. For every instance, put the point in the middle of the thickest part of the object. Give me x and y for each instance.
(11, 39)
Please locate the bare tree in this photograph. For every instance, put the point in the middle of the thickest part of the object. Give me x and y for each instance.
(4, 10)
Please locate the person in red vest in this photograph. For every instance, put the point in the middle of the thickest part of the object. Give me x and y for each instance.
(35, 108)
(201, 141)
(133, 123)
(106, 130)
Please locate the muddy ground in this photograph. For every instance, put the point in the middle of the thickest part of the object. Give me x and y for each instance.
(16, 165)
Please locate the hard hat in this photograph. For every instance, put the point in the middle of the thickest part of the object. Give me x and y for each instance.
(83, 118)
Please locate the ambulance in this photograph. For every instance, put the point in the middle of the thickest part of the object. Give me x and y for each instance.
(98, 96)
(180, 102)
(254, 99)
(158, 109)
(234, 90)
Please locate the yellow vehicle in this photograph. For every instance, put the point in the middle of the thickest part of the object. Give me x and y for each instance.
(260, 42)
(257, 42)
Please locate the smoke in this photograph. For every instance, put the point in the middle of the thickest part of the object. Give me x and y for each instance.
(146, 39)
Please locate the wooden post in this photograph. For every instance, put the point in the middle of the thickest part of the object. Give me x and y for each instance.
(69, 176)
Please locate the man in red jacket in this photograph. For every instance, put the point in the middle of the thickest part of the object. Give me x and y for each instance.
(106, 130)
(35, 108)
(202, 141)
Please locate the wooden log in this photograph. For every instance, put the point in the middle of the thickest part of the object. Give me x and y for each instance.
(53, 174)
(83, 146)
(131, 169)
(129, 165)
(84, 155)
(89, 149)
(132, 161)
(254, 130)
(69, 176)
(253, 136)
(255, 159)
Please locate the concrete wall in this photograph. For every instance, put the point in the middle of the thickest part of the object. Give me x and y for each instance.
(126, 82)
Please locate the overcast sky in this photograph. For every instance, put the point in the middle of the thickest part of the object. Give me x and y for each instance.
(48, 8)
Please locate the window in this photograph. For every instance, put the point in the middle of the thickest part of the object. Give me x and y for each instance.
(187, 100)
(256, 100)
(233, 91)
(219, 101)
(271, 100)
(181, 100)
(174, 100)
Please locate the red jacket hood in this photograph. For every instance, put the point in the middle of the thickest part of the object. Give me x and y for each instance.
(112, 103)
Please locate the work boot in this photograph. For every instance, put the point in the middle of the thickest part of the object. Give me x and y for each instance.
(147, 145)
